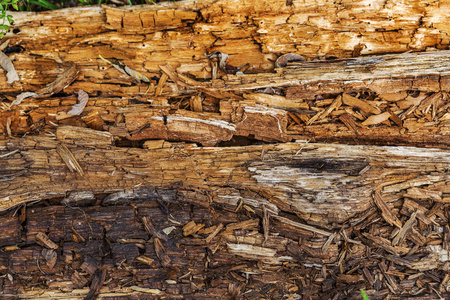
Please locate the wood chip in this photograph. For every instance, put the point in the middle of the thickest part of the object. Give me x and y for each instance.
(78, 279)
(250, 250)
(407, 227)
(156, 144)
(419, 193)
(61, 82)
(386, 212)
(161, 253)
(162, 81)
(411, 101)
(248, 224)
(69, 159)
(214, 233)
(410, 206)
(415, 237)
(377, 119)
(424, 264)
(214, 68)
(146, 290)
(76, 236)
(427, 102)
(4, 44)
(348, 121)
(276, 101)
(392, 285)
(394, 117)
(350, 278)
(50, 257)
(355, 114)
(170, 72)
(327, 244)
(189, 81)
(323, 114)
(43, 240)
(146, 260)
(302, 226)
(150, 228)
(265, 223)
(97, 283)
(191, 228)
(364, 106)
(414, 182)
(196, 103)
(294, 117)
(368, 276)
(386, 244)
(393, 97)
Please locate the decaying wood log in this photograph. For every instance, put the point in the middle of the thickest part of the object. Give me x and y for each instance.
(323, 184)
(183, 178)
(328, 183)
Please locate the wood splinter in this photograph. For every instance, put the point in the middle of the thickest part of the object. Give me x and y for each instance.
(68, 158)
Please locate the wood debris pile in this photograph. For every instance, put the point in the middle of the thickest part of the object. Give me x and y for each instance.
(398, 248)
(407, 110)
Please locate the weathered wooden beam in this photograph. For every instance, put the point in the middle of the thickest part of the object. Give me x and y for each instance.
(324, 183)
(416, 107)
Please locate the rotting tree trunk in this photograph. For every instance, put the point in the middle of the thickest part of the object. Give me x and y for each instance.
(300, 181)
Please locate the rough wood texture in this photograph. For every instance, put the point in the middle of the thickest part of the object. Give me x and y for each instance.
(325, 183)
(148, 38)
(322, 184)
(299, 182)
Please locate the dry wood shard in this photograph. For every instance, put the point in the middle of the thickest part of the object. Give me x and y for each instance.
(68, 158)
(386, 211)
(61, 82)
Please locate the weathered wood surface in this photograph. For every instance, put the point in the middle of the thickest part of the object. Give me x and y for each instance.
(216, 253)
(333, 188)
(130, 199)
(278, 105)
(325, 183)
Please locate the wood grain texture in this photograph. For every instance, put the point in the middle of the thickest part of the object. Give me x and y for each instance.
(326, 183)
(301, 182)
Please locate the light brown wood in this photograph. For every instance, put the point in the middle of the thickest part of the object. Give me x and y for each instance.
(252, 105)
(323, 183)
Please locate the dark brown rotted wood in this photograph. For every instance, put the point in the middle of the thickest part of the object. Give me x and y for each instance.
(10, 230)
(105, 251)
